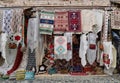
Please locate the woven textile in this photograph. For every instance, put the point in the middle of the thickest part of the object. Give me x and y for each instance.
(108, 54)
(91, 51)
(1, 19)
(31, 60)
(32, 36)
(74, 18)
(90, 18)
(87, 20)
(7, 21)
(12, 76)
(20, 75)
(105, 29)
(60, 47)
(46, 22)
(3, 44)
(76, 61)
(83, 49)
(16, 19)
(29, 75)
(116, 19)
(69, 46)
(61, 21)
(10, 55)
(18, 60)
(113, 64)
(39, 51)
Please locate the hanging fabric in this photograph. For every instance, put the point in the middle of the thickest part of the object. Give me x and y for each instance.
(1, 23)
(3, 45)
(74, 20)
(24, 61)
(32, 33)
(98, 17)
(69, 46)
(115, 18)
(108, 54)
(9, 41)
(60, 46)
(1, 19)
(87, 19)
(76, 61)
(11, 49)
(17, 60)
(83, 49)
(92, 48)
(40, 51)
(61, 21)
(90, 18)
(7, 21)
(46, 22)
(32, 42)
(100, 53)
(31, 60)
(38, 43)
(105, 28)
(114, 51)
(16, 19)
(14, 38)
(112, 66)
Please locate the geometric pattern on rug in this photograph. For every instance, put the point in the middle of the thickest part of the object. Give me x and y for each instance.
(60, 50)
(74, 18)
(60, 45)
(60, 40)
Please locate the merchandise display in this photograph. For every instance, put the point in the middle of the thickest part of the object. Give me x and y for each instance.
(37, 41)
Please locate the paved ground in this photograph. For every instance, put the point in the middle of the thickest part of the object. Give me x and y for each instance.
(69, 79)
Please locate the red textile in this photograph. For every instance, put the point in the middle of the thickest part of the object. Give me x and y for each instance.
(92, 46)
(61, 21)
(17, 37)
(17, 60)
(106, 59)
(74, 18)
(25, 31)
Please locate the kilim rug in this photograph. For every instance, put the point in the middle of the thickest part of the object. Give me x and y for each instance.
(74, 18)
(46, 22)
(60, 46)
(115, 19)
(61, 21)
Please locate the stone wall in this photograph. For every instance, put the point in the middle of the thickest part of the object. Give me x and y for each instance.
(55, 2)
